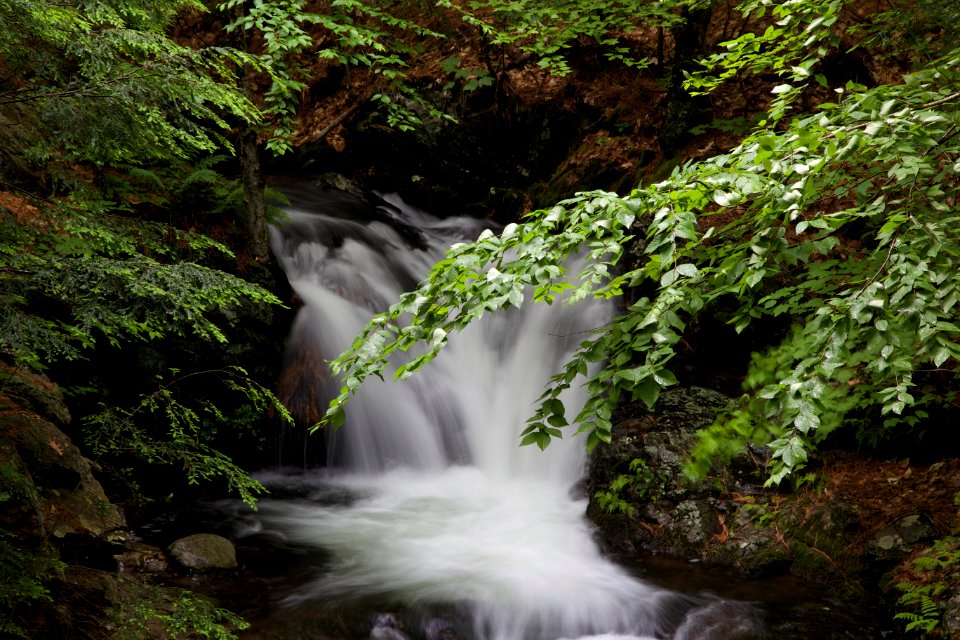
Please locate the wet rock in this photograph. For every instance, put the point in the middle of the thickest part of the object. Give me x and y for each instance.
(204, 551)
(729, 518)
(753, 547)
(722, 620)
(440, 629)
(692, 523)
(138, 557)
(340, 182)
(951, 615)
(666, 513)
(898, 539)
(386, 626)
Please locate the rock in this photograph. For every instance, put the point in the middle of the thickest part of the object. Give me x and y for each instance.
(951, 615)
(204, 551)
(692, 523)
(340, 182)
(387, 627)
(33, 391)
(56, 478)
(728, 519)
(138, 556)
(898, 539)
(680, 519)
(722, 620)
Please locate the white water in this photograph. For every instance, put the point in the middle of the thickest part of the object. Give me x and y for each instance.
(446, 507)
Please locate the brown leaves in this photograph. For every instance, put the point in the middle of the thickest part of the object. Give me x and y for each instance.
(21, 209)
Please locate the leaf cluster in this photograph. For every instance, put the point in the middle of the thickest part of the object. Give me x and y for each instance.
(177, 612)
(353, 33)
(22, 575)
(843, 224)
(174, 425)
(627, 489)
(76, 275)
(22, 572)
(547, 31)
(102, 83)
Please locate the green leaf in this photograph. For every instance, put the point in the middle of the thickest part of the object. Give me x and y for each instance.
(648, 390)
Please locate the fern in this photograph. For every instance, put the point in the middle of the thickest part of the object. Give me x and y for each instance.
(925, 613)
(936, 574)
(639, 485)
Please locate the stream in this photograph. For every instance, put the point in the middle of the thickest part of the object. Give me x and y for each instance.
(429, 521)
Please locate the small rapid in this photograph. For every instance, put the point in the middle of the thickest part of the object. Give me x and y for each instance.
(436, 503)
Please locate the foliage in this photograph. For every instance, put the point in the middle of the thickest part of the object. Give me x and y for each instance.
(362, 35)
(178, 614)
(22, 573)
(21, 581)
(190, 422)
(76, 274)
(936, 570)
(934, 578)
(642, 483)
(841, 223)
(548, 30)
(917, 30)
(197, 191)
(476, 78)
(75, 279)
(101, 82)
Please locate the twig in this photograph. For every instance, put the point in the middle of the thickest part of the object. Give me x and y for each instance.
(336, 121)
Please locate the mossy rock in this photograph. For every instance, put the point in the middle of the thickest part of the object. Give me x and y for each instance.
(203, 552)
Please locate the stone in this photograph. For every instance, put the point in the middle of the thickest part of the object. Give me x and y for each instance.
(722, 620)
(62, 487)
(33, 391)
(204, 551)
(951, 615)
(138, 556)
(897, 540)
(693, 522)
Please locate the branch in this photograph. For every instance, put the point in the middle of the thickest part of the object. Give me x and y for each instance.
(952, 96)
(336, 121)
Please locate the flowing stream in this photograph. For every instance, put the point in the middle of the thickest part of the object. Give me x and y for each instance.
(428, 504)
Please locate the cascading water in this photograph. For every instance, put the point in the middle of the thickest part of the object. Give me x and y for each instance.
(444, 507)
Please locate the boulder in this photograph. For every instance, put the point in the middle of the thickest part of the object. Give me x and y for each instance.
(203, 552)
(34, 392)
(55, 477)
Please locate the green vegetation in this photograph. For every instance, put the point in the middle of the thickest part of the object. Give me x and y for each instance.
(176, 613)
(102, 83)
(641, 484)
(121, 122)
(22, 577)
(918, 600)
(22, 572)
(843, 225)
(357, 34)
(171, 427)
(932, 579)
(835, 225)
(548, 31)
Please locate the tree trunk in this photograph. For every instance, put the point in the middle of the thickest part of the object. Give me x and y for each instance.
(253, 200)
(683, 110)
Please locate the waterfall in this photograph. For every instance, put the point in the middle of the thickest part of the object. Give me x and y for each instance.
(443, 506)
